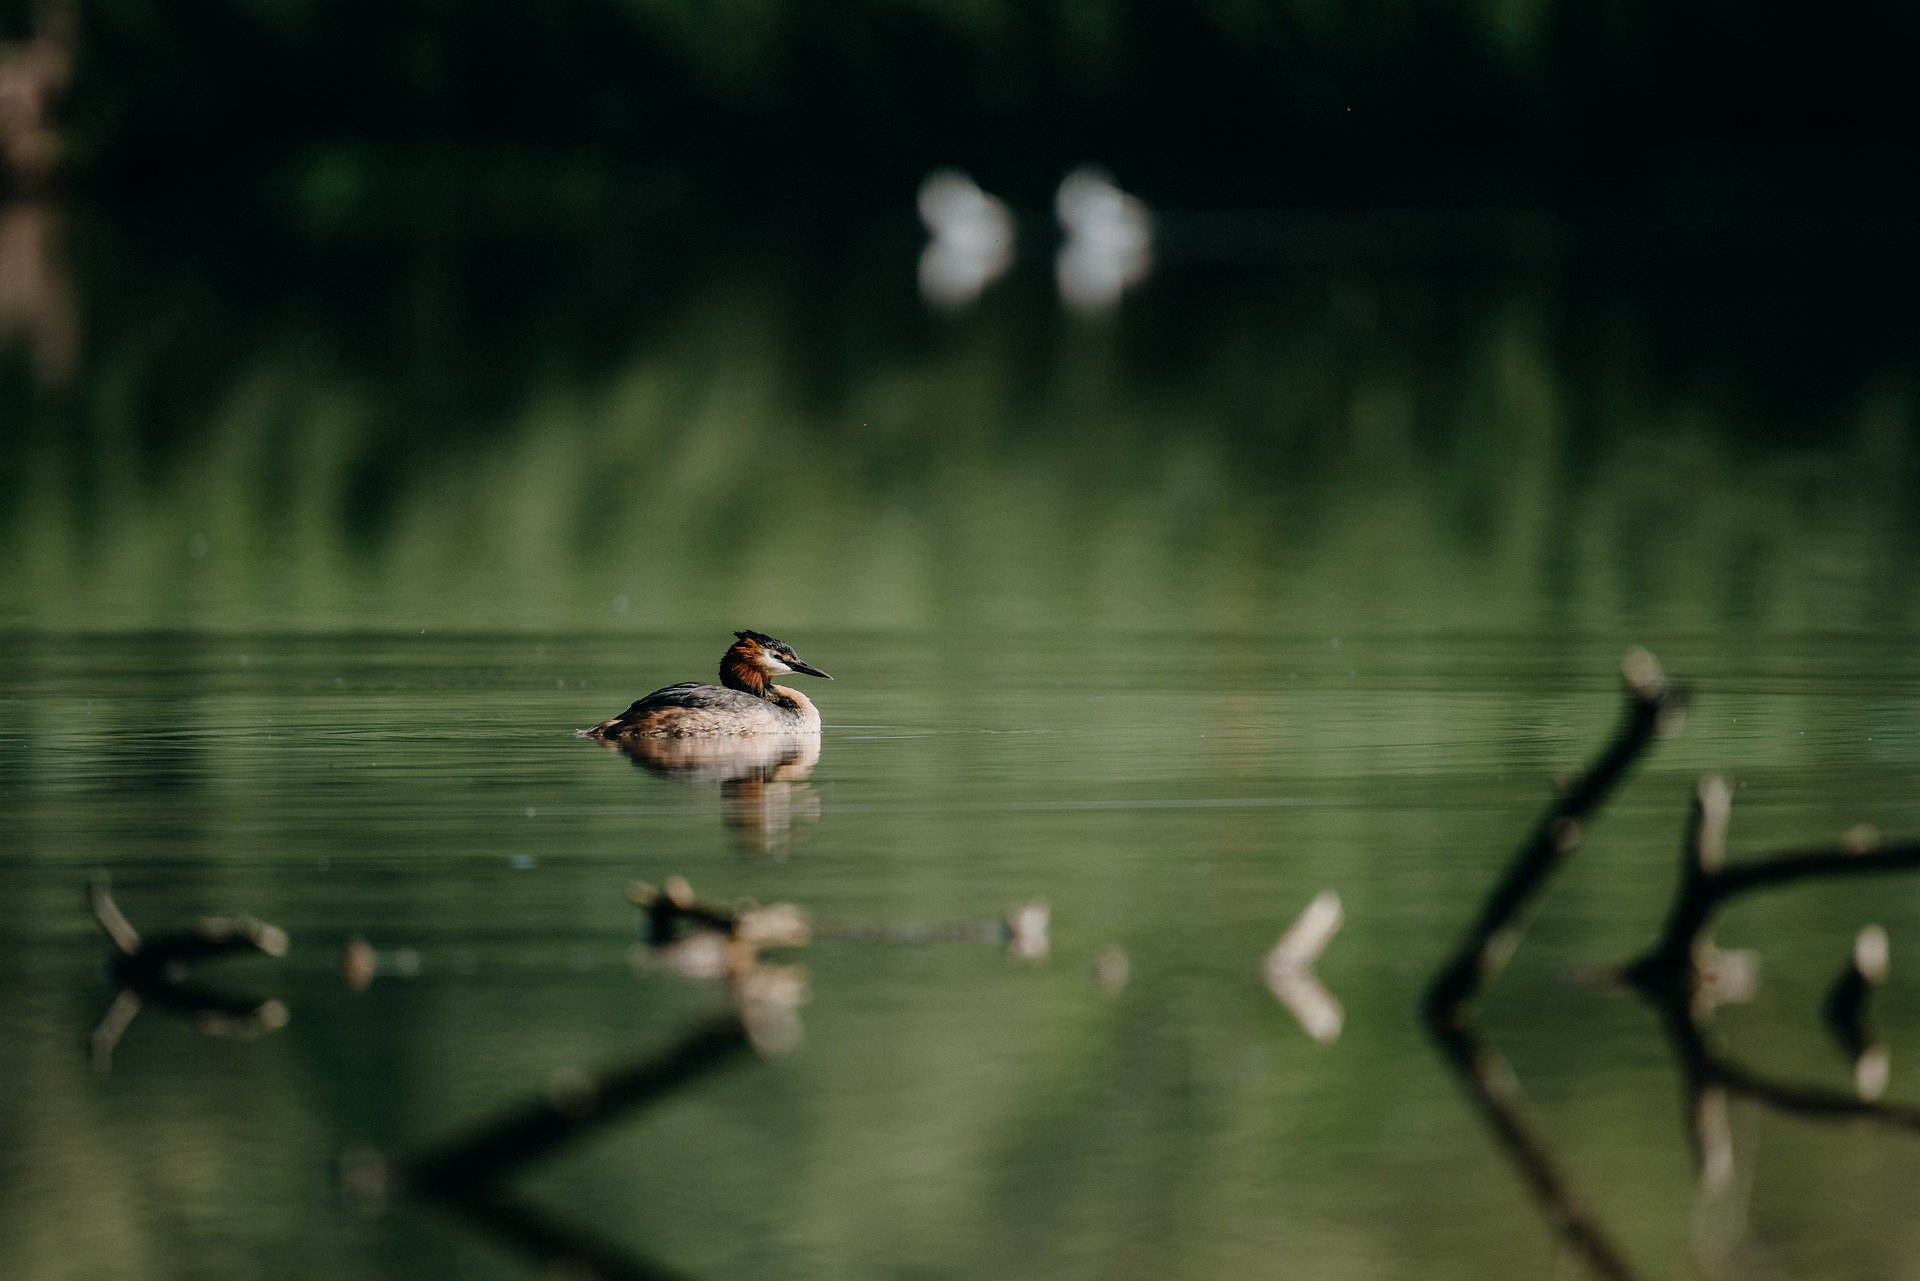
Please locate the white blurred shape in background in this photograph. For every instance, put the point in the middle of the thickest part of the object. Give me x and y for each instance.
(1109, 245)
(972, 239)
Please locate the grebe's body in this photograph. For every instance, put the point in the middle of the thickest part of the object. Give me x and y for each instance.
(709, 711)
(745, 702)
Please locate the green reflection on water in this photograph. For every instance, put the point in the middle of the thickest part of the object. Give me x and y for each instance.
(1282, 580)
(588, 432)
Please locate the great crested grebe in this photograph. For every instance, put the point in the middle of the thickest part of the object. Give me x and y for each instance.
(745, 702)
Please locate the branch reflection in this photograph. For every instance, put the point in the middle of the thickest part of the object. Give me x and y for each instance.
(1684, 977)
(467, 1174)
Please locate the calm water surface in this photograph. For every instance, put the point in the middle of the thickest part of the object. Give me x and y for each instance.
(952, 1111)
(1171, 621)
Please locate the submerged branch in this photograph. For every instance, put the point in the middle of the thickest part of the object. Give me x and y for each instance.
(210, 936)
(153, 970)
(1683, 976)
(1651, 701)
(1707, 1073)
(673, 913)
(1289, 968)
(1848, 1011)
(112, 921)
(1708, 883)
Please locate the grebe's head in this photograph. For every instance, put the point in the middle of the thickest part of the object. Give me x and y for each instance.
(768, 656)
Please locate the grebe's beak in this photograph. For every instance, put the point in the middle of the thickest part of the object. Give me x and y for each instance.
(807, 669)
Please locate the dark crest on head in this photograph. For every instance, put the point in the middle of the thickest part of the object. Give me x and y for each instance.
(764, 639)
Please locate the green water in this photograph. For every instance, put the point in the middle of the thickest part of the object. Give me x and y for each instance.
(1289, 577)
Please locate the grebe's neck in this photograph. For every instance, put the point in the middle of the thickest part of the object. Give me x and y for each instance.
(737, 671)
(789, 698)
(796, 704)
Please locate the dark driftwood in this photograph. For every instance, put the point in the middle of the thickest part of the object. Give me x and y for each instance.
(1651, 702)
(1708, 882)
(210, 936)
(1709, 1078)
(1682, 975)
(1289, 968)
(672, 911)
(153, 971)
(467, 1174)
(1848, 1010)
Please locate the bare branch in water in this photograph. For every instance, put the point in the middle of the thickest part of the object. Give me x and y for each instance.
(673, 911)
(712, 943)
(1289, 968)
(1708, 882)
(1027, 931)
(1709, 1077)
(1683, 976)
(1652, 703)
(153, 970)
(1848, 1011)
(113, 922)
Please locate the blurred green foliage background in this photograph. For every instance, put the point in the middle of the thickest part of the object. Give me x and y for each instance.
(1202, 101)
(643, 429)
(386, 389)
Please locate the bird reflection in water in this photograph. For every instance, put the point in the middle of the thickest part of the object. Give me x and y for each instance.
(762, 778)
